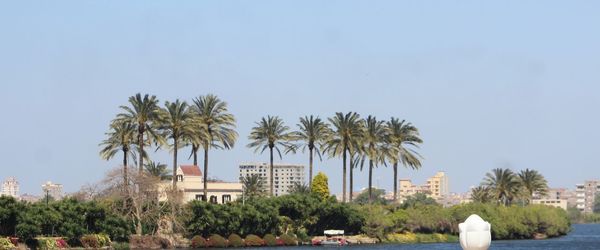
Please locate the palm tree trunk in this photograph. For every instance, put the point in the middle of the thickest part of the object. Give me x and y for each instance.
(370, 181)
(310, 168)
(395, 180)
(174, 164)
(125, 152)
(271, 171)
(205, 172)
(141, 148)
(351, 177)
(344, 173)
(195, 153)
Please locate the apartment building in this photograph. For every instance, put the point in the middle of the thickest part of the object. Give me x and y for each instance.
(436, 187)
(10, 187)
(585, 194)
(284, 175)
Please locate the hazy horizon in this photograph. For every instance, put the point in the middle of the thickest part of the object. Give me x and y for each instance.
(489, 84)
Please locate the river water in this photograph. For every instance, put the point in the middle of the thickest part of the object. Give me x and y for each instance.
(583, 236)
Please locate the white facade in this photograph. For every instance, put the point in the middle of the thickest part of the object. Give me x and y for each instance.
(10, 187)
(284, 175)
(54, 190)
(190, 181)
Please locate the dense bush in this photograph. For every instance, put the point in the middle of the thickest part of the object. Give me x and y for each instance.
(198, 242)
(270, 240)
(253, 241)
(235, 240)
(95, 240)
(50, 243)
(289, 240)
(9, 213)
(216, 240)
(120, 245)
(148, 242)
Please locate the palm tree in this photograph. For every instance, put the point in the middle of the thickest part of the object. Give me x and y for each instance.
(531, 182)
(356, 159)
(217, 128)
(142, 113)
(503, 185)
(373, 139)
(313, 132)
(158, 169)
(176, 121)
(344, 139)
(404, 138)
(481, 194)
(299, 188)
(253, 186)
(271, 133)
(121, 138)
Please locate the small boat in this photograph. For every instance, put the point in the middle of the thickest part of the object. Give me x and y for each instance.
(332, 238)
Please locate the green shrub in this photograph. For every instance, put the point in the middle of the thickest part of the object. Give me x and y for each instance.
(253, 241)
(216, 240)
(90, 241)
(270, 240)
(289, 240)
(6, 244)
(199, 242)
(235, 240)
(47, 243)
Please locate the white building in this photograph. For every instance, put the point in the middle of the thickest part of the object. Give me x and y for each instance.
(10, 187)
(284, 175)
(190, 181)
(53, 190)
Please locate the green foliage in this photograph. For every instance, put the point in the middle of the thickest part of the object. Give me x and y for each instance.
(332, 214)
(254, 241)
(9, 213)
(363, 197)
(378, 221)
(253, 186)
(6, 244)
(597, 203)
(270, 240)
(235, 240)
(198, 242)
(481, 194)
(90, 241)
(289, 240)
(216, 240)
(120, 245)
(320, 185)
(417, 200)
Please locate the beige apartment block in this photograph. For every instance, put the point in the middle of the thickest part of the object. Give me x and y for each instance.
(10, 187)
(560, 203)
(436, 187)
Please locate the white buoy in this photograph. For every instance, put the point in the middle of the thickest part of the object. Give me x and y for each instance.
(475, 233)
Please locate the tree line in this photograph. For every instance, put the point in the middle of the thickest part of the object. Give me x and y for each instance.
(206, 124)
(503, 186)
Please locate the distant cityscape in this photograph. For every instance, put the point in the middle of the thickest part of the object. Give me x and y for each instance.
(286, 175)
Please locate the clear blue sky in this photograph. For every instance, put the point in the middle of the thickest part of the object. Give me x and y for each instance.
(489, 83)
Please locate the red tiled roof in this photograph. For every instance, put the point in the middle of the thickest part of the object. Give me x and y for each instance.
(191, 170)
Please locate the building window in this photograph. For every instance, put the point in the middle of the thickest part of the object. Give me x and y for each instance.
(226, 198)
(199, 197)
(179, 177)
(213, 199)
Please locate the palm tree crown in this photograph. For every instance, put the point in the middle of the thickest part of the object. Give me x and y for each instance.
(345, 138)
(313, 132)
(404, 138)
(270, 133)
(531, 182)
(121, 138)
(158, 169)
(176, 121)
(503, 185)
(216, 130)
(142, 113)
(373, 139)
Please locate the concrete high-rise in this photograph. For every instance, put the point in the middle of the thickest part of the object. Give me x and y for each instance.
(586, 194)
(284, 175)
(10, 187)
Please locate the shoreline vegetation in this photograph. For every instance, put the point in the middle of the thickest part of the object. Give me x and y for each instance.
(124, 210)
